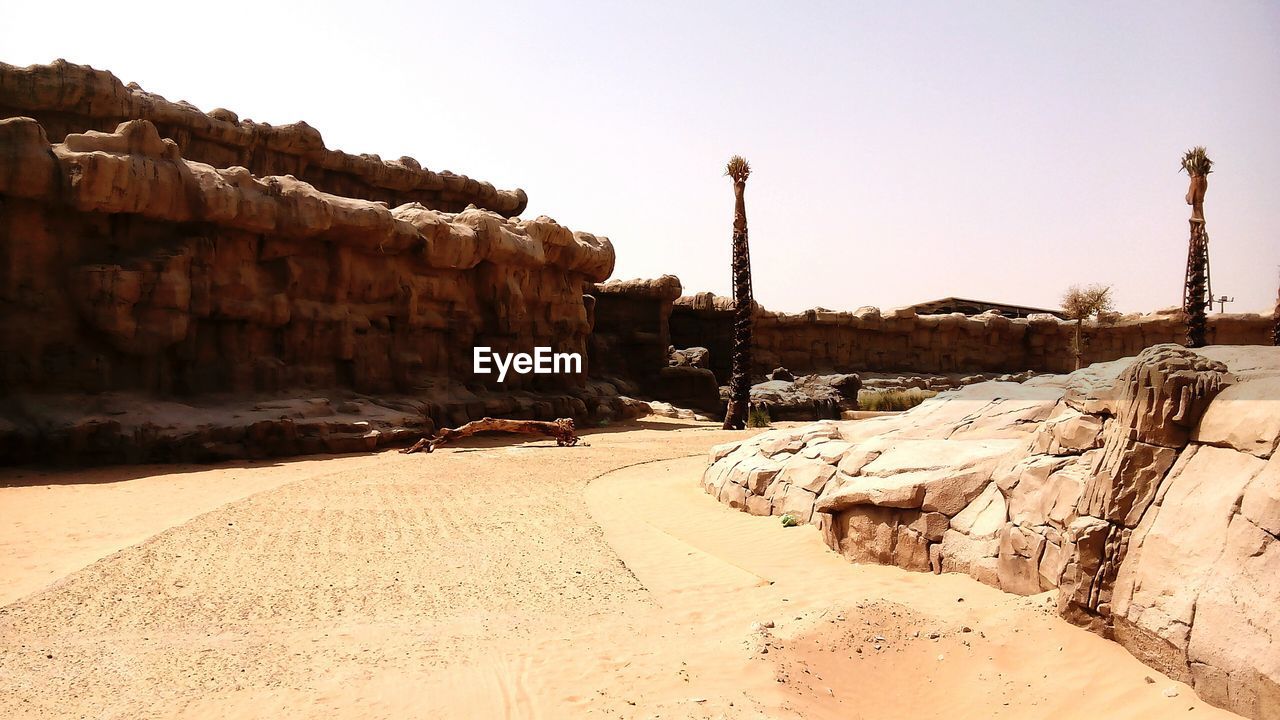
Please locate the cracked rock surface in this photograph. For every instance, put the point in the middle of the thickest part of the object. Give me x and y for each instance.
(1145, 492)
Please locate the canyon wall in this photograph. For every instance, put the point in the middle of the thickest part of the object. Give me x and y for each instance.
(128, 267)
(900, 340)
(181, 285)
(67, 98)
(630, 329)
(631, 339)
(1145, 492)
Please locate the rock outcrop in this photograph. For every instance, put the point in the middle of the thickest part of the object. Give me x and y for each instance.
(73, 99)
(128, 267)
(698, 357)
(1151, 411)
(808, 397)
(1145, 492)
(936, 381)
(823, 341)
(630, 331)
(156, 256)
(631, 339)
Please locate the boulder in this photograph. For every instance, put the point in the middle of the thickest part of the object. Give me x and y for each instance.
(983, 517)
(793, 500)
(958, 552)
(698, 357)
(1048, 491)
(1147, 492)
(931, 526)
(689, 387)
(1018, 560)
(1070, 433)
(1245, 417)
(867, 535)
(812, 475)
(782, 374)
(899, 491)
(810, 397)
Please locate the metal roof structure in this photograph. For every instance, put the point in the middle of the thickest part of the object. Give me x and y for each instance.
(977, 307)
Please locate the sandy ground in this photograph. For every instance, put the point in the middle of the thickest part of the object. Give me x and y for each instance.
(56, 522)
(502, 581)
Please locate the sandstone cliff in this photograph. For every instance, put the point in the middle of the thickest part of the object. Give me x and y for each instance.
(631, 339)
(181, 285)
(1145, 492)
(127, 266)
(630, 331)
(67, 98)
(900, 340)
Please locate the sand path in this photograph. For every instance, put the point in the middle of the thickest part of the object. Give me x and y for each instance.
(56, 522)
(491, 583)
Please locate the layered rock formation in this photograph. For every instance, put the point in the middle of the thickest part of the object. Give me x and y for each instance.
(67, 98)
(822, 341)
(127, 266)
(808, 397)
(631, 339)
(630, 331)
(156, 256)
(1146, 491)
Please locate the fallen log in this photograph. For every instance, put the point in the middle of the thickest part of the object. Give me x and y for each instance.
(562, 430)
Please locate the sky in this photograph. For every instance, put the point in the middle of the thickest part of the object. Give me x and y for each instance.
(901, 151)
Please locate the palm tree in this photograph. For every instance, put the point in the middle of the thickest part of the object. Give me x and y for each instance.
(1275, 330)
(1080, 304)
(735, 417)
(1198, 291)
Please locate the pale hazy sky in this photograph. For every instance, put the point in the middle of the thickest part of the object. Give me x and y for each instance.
(901, 151)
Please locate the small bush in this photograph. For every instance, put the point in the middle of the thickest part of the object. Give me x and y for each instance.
(758, 417)
(789, 520)
(890, 400)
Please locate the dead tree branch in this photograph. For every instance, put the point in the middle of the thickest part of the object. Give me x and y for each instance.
(562, 430)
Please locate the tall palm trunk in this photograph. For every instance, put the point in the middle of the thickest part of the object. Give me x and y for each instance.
(1079, 345)
(1197, 292)
(1275, 329)
(1195, 300)
(735, 417)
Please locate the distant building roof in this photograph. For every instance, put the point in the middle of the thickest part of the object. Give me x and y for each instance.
(977, 307)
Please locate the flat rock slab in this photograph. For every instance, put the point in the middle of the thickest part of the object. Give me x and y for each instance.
(934, 454)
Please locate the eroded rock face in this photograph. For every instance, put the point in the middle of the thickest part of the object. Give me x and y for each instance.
(698, 357)
(69, 99)
(900, 341)
(132, 428)
(631, 339)
(630, 334)
(808, 397)
(1155, 405)
(1145, 490)
(128, 267)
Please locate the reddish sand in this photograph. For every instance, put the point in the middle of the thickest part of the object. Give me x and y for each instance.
(502, 581)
